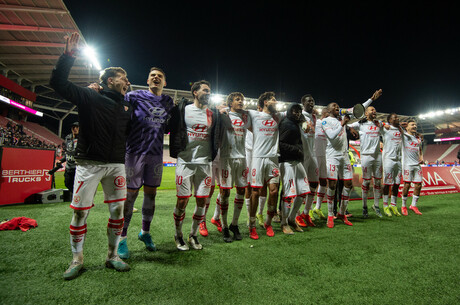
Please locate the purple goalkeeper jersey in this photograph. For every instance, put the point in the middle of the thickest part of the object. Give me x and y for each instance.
(150, 114)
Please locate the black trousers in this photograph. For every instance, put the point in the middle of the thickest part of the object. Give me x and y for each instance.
(69, 177)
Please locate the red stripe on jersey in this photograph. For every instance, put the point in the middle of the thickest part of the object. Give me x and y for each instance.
(209, 116)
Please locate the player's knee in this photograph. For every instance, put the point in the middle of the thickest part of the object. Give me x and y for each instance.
(116, 210)
(79, 216)
(348, 184)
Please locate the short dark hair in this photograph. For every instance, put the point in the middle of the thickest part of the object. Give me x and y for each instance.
(330, 105)
(232, 96)
(197, 85)
(264, 97)
(411, 120)
(304, 97)
(389, 116)
(111, 72)
(158, 69)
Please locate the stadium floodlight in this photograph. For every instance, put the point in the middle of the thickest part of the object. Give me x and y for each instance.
(438, 113)
(217, 99)
(90, 53)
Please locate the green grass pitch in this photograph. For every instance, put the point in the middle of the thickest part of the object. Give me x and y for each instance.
(397, 260)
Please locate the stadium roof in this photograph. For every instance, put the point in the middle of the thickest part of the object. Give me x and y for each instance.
(31, 41)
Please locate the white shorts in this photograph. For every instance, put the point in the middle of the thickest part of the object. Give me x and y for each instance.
(371, 166)
(233, 172)
(264, 170)
(322, 166)
(412, 173)
(198, 175)
(391, 172)
(249, 162)
(339, 168)
(295, 182)
(311, 169)
(87, 177)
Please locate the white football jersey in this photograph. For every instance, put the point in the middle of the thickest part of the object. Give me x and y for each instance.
(336, 137)
(198, 149)
(411, 150)
(234, 141)
(265, 133)
(308, 138)
(320, 140)
(392, 143)
(369, 136)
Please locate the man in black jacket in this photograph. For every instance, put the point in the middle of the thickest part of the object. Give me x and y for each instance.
(104, 117)
(295, 185)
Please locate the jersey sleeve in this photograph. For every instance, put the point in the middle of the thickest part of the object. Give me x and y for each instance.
(331, 131)
(367, 103)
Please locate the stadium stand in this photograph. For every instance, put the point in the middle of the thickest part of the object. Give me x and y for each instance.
(34, 130)
(441, 152)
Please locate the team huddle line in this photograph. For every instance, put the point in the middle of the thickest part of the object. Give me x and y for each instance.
(120, 145)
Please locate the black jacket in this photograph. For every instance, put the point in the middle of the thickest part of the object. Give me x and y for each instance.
(104, 116)
(178, 130)
(290, 143)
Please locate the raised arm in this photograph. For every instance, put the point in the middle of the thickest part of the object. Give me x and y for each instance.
(374, 97)
(60, 74)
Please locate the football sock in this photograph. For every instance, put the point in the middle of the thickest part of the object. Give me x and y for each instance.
(414, 200)
(377, 194)
(148, 210)
(298, 201)
(385, 200)
(247, 201)
(128, 211)
(261, 204)
(198, 217)
(404, 200)
(285, 208)
(320, 195)
(238, 206)
(345, 198)
(179, 215)
(330, 202)
(365, 188)
(217, 211)
(114, 227)
(224, 211)
(78, 231)
(309, 202)
(393, 200)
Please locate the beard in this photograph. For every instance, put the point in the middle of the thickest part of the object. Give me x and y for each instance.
(204, 99)
(271, 108)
